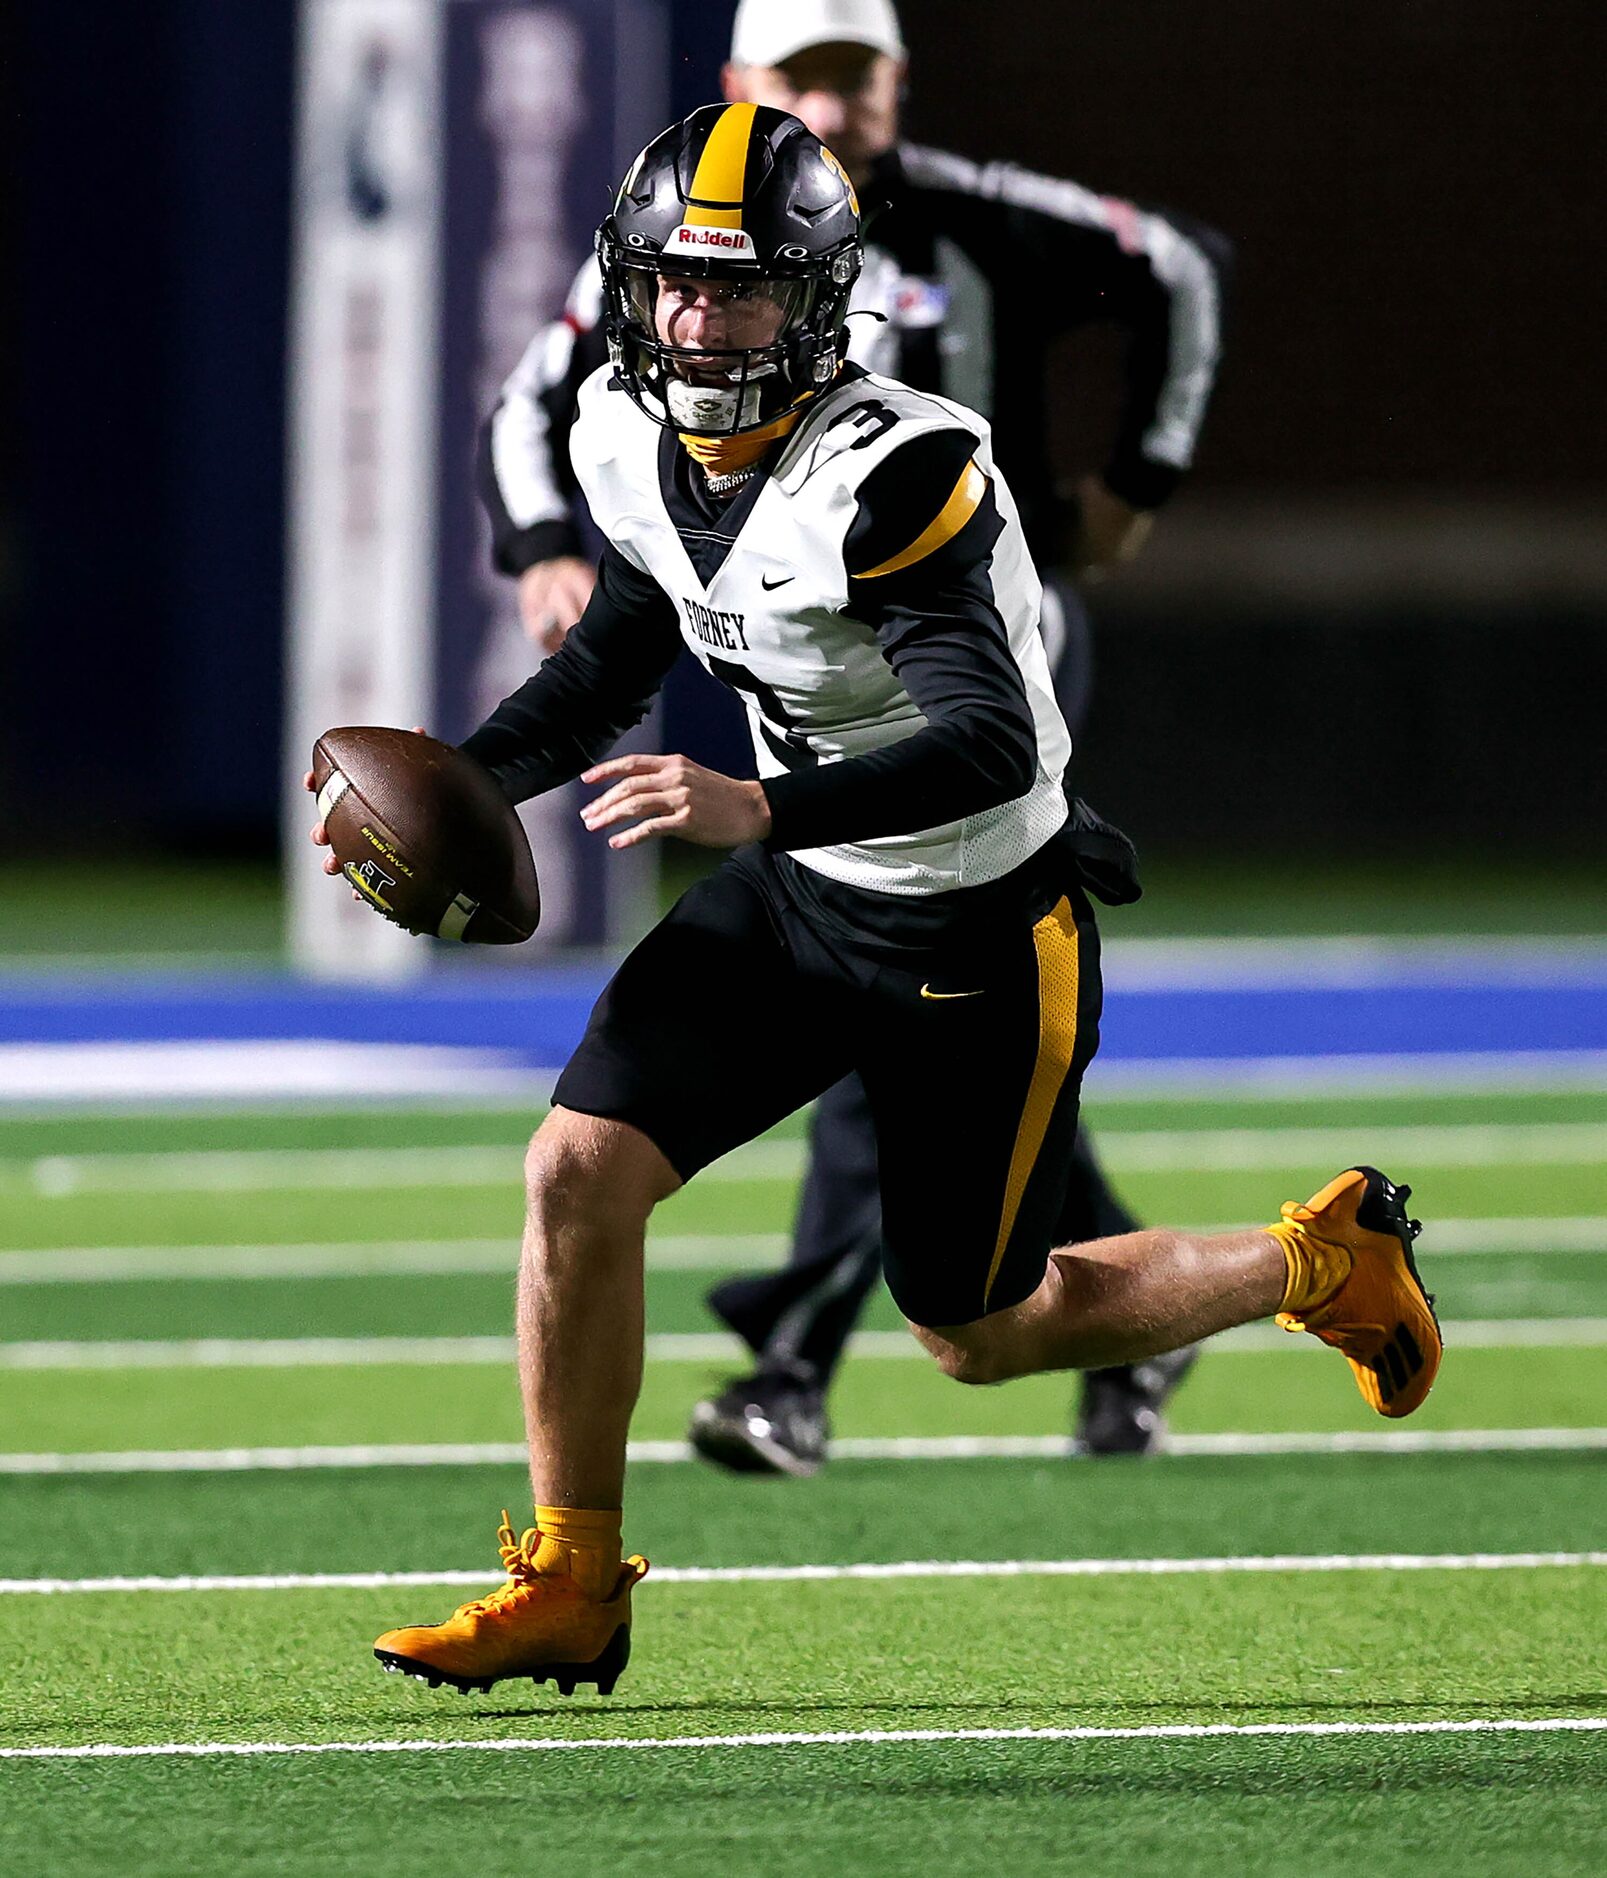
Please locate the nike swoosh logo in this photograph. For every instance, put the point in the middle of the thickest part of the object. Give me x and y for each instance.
(771, 585)
(928, 992)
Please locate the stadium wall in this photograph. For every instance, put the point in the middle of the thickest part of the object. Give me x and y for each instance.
(1411, 332)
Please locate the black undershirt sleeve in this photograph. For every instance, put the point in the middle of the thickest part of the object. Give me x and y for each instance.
(572, 711)
(941, 632)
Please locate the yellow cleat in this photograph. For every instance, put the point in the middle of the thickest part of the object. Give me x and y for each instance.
(538, 1624)
(1381, 1320)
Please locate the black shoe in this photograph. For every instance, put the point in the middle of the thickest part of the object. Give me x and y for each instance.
(772, 1422)
(1120, 1410)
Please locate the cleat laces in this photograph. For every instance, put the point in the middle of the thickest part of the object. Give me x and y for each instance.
(519, 1562)
(524, 1581)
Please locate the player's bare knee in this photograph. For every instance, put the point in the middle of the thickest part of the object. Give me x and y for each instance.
(555, 1168)
(968, 1366)
(979, 1367)
(582, 1168)
(965, 1353)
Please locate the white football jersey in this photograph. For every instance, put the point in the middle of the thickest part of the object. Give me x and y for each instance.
(771, 620)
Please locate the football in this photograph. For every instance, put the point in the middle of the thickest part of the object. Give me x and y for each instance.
(425, 835)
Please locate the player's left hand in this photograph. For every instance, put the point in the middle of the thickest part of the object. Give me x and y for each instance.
(671, 795)
(1110, 530)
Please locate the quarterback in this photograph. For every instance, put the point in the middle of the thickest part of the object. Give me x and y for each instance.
(906, 893)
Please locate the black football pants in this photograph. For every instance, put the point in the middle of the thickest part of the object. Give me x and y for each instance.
(805, 1312)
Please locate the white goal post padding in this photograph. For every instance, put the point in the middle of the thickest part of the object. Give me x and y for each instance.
(362, 410)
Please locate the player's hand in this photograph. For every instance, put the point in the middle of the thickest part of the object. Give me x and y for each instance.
(319, 835)
(1110, 531)
(671, 795)
(552, 596)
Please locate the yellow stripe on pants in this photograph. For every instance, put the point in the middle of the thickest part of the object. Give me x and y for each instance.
(1054, 939)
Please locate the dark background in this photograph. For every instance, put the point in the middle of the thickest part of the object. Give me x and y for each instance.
(1374, 615)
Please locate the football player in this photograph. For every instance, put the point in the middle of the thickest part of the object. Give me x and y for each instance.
(905, 894)
(939, 304)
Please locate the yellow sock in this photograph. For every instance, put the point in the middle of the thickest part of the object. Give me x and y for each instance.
(582, 1542)
(1316, 1268)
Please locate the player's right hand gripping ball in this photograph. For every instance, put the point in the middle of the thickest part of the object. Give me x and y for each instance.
(425, 835)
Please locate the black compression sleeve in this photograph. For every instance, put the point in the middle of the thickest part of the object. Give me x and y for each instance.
(977, 749)
(942, 635)
(582, 700)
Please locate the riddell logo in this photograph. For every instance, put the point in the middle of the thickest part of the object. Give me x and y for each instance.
(733, 241)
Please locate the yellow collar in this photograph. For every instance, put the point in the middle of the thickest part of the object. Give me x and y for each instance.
(721, 456)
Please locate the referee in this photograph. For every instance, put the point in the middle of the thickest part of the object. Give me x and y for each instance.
(954, 298)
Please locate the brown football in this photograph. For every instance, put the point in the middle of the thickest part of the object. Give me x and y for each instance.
(425, 835)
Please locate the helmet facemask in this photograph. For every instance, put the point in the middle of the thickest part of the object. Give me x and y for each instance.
(744, 211)
(722, 390)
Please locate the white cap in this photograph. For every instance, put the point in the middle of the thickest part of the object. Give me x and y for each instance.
(768, 32)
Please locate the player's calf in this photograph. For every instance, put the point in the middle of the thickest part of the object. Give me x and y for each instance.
(1100, 1304)
(1340, 1266)
(592, 1183)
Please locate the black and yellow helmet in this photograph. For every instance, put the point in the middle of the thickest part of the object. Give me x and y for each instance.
(741, 194)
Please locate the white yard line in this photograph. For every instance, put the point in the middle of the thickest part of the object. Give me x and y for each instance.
(1195, 1447)
(1123, 1150)
(1344, 1078)
(1492, 1333)
(1393, 1441)
(258, 1070)
(877, 1737)
(691, 1252)
(258, 1170)
(261, 1353)
(829, 1574)
(1450, 1144)
(1478, 1237)
(1354, 960)
(361, 1258)
(1350, 1076)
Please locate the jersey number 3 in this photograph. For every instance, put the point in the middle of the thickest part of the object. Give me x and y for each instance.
(871, 420)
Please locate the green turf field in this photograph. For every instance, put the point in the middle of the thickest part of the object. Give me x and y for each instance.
(175, 1285)
(234, 911)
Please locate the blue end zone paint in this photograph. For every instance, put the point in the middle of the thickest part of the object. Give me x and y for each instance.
(537, 1017)
(1406, 1019)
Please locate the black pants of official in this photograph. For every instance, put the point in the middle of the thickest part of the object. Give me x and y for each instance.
(805, 1312)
